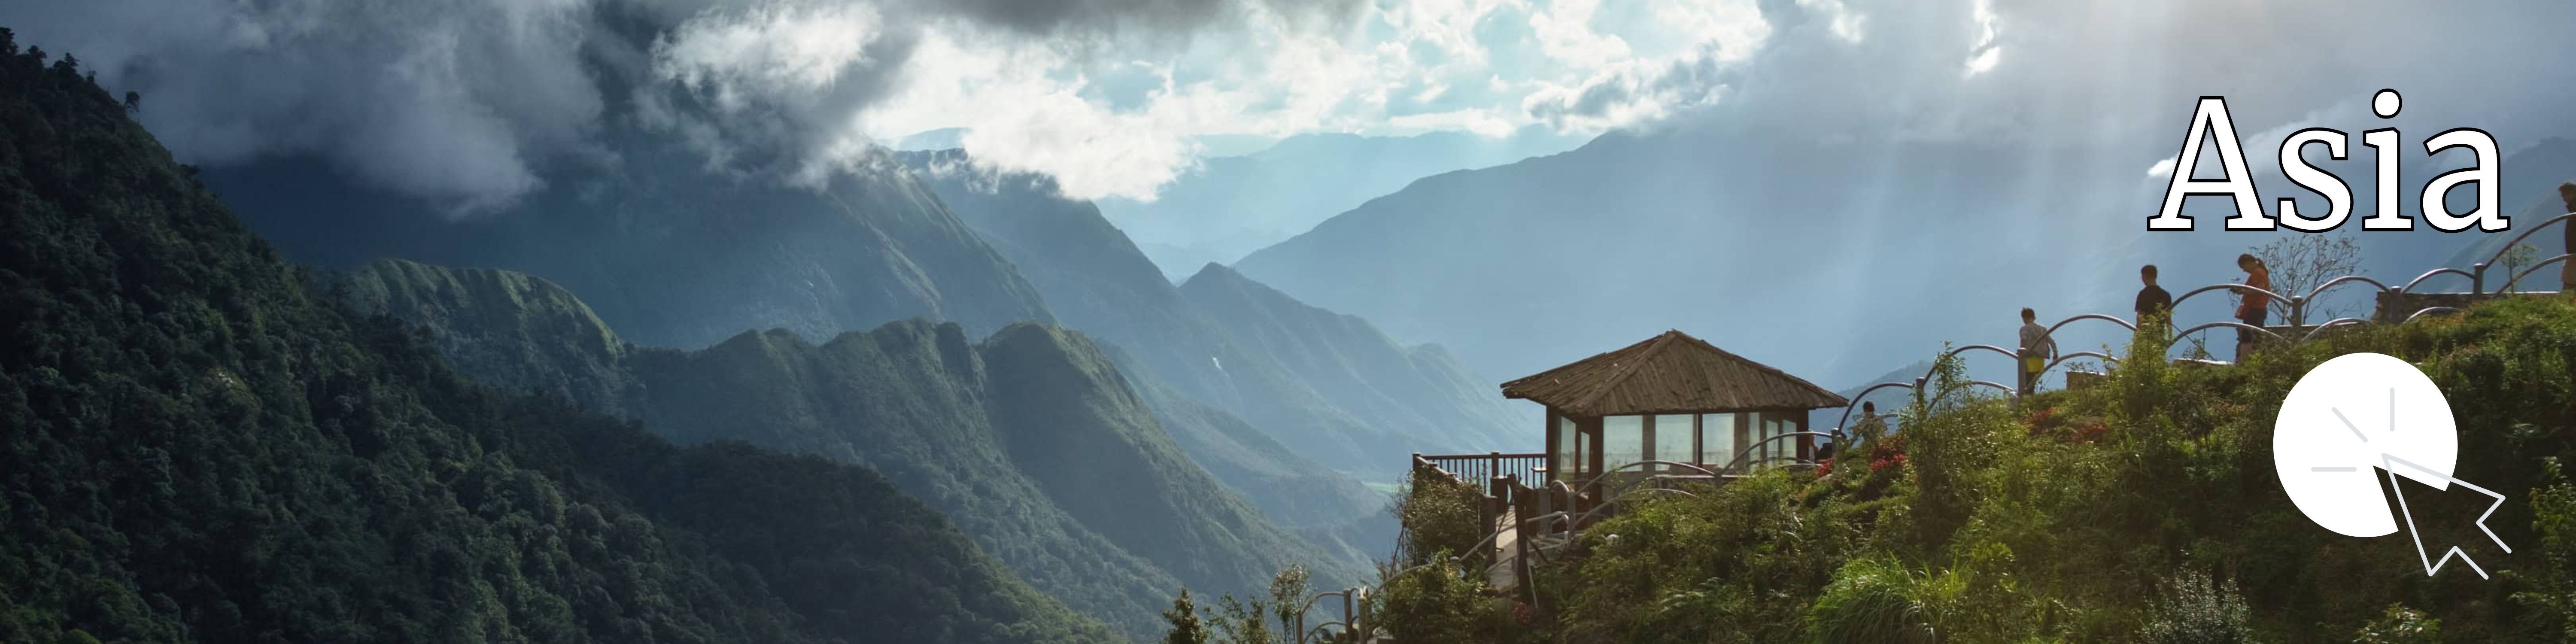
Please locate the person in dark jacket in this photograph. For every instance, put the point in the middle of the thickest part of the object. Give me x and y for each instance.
(2567, 270)
(2155, 306)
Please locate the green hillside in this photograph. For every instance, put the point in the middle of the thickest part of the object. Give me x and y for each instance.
(192, 448)
(2146, 509)
(1031, 441)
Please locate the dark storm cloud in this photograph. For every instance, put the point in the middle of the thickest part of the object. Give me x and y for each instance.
(467, 102)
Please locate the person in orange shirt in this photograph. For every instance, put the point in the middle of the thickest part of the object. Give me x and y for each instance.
(2250, 310)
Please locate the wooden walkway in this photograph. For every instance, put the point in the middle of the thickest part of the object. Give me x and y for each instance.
(1503, 574)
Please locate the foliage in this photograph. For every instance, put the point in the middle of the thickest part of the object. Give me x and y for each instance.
(194, 448)
(2553, 597)
(2301, 262)
(2195, 609)
(1185, 619)
(2143, 508)
(1238, 622)
(2513, 259)
(1438, 514)
(1439, 603)
(1875, 599)
(2400, 625)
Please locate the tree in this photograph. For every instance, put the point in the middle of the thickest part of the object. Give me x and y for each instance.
(2301, 262)
(1241, 623)
(1184, 617)
(2512, 260)
(1288, 592)
(133, 102)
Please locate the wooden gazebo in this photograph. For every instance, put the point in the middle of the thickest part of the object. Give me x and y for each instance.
(1671, 398)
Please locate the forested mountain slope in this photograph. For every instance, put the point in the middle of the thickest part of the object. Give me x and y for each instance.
(1030, 440)
(194, 448)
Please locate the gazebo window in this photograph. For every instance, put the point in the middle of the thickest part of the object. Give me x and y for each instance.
(1623, 441)
(1717, 439)
(1669, 439)
(1568, 454)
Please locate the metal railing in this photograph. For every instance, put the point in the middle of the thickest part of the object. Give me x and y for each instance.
(1478, 468)
(1558, 527)
(2296, 303)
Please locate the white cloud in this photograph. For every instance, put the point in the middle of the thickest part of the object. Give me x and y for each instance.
(737, 56)
(2163, 167)
(466, 101)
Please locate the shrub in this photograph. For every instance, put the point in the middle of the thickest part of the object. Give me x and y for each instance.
(1439, 603)
(2400, 625)
(2198, 610)
(1437, 513)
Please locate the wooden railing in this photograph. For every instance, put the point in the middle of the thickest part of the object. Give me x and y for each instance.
(1478, 469)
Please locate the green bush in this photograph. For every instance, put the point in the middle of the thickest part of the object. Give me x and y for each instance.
(1439, 603)
(2400, 625)
(2062, 517)
(1437, 513)
(1875, 599)
(2195, 609)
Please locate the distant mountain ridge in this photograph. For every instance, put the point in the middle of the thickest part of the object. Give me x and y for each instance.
(1326, 385)
(1030, 440)
(1828, 256)
(1229, 206)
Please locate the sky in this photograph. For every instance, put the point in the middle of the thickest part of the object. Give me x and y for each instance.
(474, 103)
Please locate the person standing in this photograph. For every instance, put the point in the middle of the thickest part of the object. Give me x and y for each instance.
(2250, 310)
(2036, 350)
(1870, 428)
(2155, 306)
(2567, 270)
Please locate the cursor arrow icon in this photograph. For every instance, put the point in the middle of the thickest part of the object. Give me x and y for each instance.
(2391, 462)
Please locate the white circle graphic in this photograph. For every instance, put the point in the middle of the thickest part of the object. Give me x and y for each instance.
(2338, 422)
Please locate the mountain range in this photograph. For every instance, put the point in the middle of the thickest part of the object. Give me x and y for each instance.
(1328, 386)
(1228, 206)
(1030, 440)
(193, 446)
(1528, 265)
(667, 252)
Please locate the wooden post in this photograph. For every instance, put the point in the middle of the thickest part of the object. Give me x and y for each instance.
(1520, 552)
(1350, 615)
(1806, 444)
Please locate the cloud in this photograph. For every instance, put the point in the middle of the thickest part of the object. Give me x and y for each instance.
(470, 103)
(474, 103)
(448, 99)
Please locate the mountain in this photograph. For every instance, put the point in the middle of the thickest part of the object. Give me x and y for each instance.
(667, 252)
(1418, 390)
(1232, 205)
(2541, 167)
(1828, 255)
(1031, 440)
(1358, 416)
(194, 448)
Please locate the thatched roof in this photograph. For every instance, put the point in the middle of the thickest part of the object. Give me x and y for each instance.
(1669, 373)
